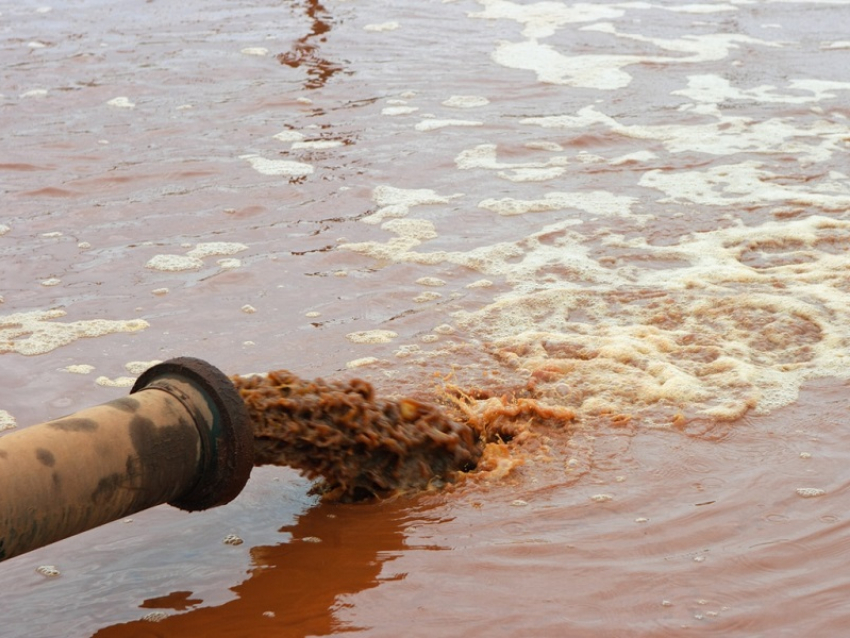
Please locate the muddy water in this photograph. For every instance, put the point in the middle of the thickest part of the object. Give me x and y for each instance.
(631, 213)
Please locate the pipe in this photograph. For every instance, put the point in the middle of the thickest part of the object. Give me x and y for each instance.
(181, 437)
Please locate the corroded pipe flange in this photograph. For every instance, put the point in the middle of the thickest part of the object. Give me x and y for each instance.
(226, 437)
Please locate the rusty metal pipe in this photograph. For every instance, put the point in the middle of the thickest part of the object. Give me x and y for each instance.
(181, 437)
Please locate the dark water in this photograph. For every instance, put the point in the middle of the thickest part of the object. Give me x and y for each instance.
(636, 213)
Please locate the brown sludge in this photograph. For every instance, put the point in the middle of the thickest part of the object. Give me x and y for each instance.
(360, 446)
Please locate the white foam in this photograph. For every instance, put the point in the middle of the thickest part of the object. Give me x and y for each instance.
(7, 421)
(746, 183)
(713, 89)
(229, 264)
(362, 362)
(121, 102)
(372, 336)
(289, 136)
(543, 19)
(722, 134)
(174, 263)
(215, 248)
(117, 382)
(37, 332)
(137, 367)
(601, 203)
(258, 51)
(397, 202)
(286, 168)
(434, 124)
(317, 145)
(600, 71)
(430, 281)
(399, 110)
(80, 368)
(466, 101)
(4, 229)
(484, 156)
(425, 297)
(381, 27)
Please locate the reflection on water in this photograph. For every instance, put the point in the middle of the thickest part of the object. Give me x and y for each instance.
(305, 53)
(294, 588)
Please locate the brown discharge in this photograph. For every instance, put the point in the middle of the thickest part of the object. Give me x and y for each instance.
(363, 447)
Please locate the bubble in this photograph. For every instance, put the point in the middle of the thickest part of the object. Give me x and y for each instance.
(313, 314)
(4, 229)
(805, 455)
(53, 281)
(49, 571)
(259, 51)
(519, 503)
(311, 539)
(601, 498)
(810, 492)
(229, 264)
(480, 283)
(232, 539)
(159, 292)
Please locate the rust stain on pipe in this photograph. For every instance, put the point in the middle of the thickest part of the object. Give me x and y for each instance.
(182, 437)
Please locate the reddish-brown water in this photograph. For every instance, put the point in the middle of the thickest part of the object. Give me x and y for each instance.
(616, 232)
